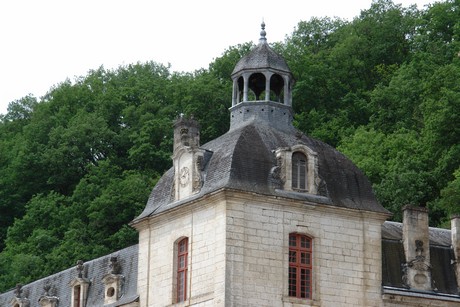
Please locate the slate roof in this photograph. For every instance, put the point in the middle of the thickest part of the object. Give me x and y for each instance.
(242, 159)
(94, 271)
(261, 57)
(441, 259)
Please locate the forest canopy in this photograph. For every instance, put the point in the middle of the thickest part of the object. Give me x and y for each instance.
(77, 165)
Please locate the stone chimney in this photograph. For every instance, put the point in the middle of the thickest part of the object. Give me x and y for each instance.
(417, 269)
(455, 232)
(186, 133)
(187, 158)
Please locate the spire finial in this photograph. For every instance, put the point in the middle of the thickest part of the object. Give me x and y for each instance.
(262, 38)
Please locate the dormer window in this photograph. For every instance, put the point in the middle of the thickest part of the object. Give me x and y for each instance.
(20, 299)
(18, 302)
(48, 300)
(113, 282)
(79, 285)
(298, 169)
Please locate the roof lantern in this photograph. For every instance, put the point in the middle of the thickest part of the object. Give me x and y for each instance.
(262, 81)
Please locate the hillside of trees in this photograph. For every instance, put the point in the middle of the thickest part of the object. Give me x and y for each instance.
(77, 165)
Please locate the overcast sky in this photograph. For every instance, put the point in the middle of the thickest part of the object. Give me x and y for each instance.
(43, 42)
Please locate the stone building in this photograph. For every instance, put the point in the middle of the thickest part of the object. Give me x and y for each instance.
(262, 216)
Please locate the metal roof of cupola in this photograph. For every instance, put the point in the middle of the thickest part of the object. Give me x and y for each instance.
(262, 88)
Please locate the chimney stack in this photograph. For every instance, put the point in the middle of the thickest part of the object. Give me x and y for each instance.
(186, 133)
(416, 243)
(187, 158)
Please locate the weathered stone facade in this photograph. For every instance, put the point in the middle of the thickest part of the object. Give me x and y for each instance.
(346, 252)
(203, 222)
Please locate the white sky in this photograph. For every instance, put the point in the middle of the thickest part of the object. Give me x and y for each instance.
(43, 42)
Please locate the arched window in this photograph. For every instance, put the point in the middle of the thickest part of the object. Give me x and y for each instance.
(182, 255)
(300, 266)
(299, 171)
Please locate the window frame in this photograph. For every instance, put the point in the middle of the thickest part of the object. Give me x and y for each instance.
(299, 169)
(182, 270)
(76, 296)
(301, 288)
(283, 171)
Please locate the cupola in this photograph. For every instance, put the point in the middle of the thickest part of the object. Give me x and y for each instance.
(262, 87)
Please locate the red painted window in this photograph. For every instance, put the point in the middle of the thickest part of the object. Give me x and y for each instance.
(182, 253)
(300, 266)
(299, 171)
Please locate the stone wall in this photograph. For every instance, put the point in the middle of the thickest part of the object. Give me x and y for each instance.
(204, 224)
(346, 253)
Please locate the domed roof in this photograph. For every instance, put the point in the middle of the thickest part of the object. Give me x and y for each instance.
(261, 57)
(243, 159)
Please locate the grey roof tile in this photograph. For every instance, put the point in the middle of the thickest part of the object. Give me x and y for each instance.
(94, 270)
(243, 158)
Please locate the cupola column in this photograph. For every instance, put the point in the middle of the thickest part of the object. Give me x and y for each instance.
(267, 87)
(236, 93)
(245, 88)
(287, 91)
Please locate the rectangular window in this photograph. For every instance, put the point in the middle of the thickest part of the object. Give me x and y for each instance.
(300, 266)
(182, 254)
(76, 296)
(299, 171)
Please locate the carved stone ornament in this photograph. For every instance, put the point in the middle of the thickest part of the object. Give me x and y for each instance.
(80, 268)
(18, 290)
(197, 181)
(416, 273)
(419, 264)
(281, 172)
(115, 266)
(184, 177)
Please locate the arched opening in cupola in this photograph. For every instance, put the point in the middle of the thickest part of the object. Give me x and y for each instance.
(257, 85)
(240, 89)
(277, 88)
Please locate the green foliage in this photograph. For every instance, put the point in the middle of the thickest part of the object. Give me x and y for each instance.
(451, 196)
(77, 165)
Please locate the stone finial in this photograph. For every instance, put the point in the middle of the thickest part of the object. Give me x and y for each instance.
(47, 288)
(18, 290)
(115, 267)
(80, 268)
(262, 38)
